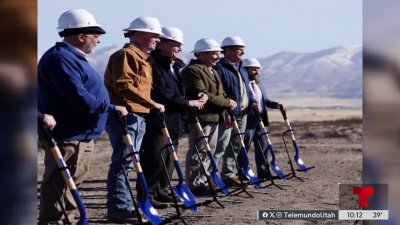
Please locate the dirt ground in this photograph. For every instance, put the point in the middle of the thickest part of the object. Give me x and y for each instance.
(333, 146)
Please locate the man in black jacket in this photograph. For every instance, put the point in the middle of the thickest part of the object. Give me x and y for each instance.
(168, 90)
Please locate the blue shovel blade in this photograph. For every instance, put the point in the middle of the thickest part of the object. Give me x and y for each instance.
(277, 170)
(81, 207)
(217, 179)
(297, 159)
(300, 163)
(149, 212)
(246, 168)
(214, 174)
(185, 195)
(274, 166)
(251, 176)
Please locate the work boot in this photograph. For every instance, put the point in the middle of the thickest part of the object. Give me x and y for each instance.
(232, 181)
(125, 216)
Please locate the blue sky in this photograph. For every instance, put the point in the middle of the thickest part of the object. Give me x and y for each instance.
(266, 26)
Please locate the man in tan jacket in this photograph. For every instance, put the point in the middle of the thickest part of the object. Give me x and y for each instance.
(128, 79)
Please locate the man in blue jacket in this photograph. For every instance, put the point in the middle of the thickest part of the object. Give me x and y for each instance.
(236, 85)
(72, 91)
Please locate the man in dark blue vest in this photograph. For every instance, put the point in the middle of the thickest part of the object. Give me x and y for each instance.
(252, 66)
(236, 85)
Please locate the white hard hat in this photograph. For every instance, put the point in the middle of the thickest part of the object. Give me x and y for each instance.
(251, 62)
(75, 19)
(232, 40)
(206, 45)
(172, 33)
(145, 24)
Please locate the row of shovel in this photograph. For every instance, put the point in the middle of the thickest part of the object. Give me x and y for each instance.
(181, 190)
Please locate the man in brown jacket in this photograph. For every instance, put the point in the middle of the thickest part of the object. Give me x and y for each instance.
(128, 79)
(199, 76)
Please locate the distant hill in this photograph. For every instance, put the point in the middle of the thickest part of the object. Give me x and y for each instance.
(333, 73)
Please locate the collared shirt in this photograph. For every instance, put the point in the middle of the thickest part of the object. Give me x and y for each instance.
(210, 70)
(80, 52)
(234, 65)
(257, 95)
(244, 100)
(171, 68)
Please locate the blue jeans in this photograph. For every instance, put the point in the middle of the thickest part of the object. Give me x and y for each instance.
(118, 197)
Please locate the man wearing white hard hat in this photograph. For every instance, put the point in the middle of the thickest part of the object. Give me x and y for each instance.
(128, 78)
(168, 90)
(73, 93)
(236, 85)
(251, 66)
(200, 77)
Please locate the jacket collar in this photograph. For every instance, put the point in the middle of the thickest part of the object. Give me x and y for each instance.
(165, 61)
(226, 63)
(140, 53)
(72, 49)
(212, 75)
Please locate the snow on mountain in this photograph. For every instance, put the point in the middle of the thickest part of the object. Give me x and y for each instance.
(334, 72)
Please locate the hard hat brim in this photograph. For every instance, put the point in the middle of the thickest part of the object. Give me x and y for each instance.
(82, 30)
(207, 50)
(143, 30)
(179, 40)
(223, 46)
(170, 39)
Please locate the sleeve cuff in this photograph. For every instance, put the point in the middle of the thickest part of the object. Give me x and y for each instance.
(111, 108)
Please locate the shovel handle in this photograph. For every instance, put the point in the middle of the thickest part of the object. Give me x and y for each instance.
(283, 112)
(47, 136)
(260, 121)
(193, 111)
(65, 173)
(122, 124)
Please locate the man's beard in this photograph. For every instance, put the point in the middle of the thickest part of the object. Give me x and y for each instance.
(257, 78)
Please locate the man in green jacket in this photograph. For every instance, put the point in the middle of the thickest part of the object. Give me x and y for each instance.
(200, 77)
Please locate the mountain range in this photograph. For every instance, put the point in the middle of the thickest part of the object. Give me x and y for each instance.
(331, 73)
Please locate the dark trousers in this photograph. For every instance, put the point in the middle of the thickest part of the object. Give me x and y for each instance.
(151, 163)
(254, 136)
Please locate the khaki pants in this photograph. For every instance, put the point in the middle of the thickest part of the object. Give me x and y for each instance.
(194, 174)
(78, 156)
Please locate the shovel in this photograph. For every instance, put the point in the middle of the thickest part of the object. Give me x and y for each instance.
(181, 190)
(270, 148)
(214, 172)
(297, 159)
(66, 175)
(246, 168)
(144, 203)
